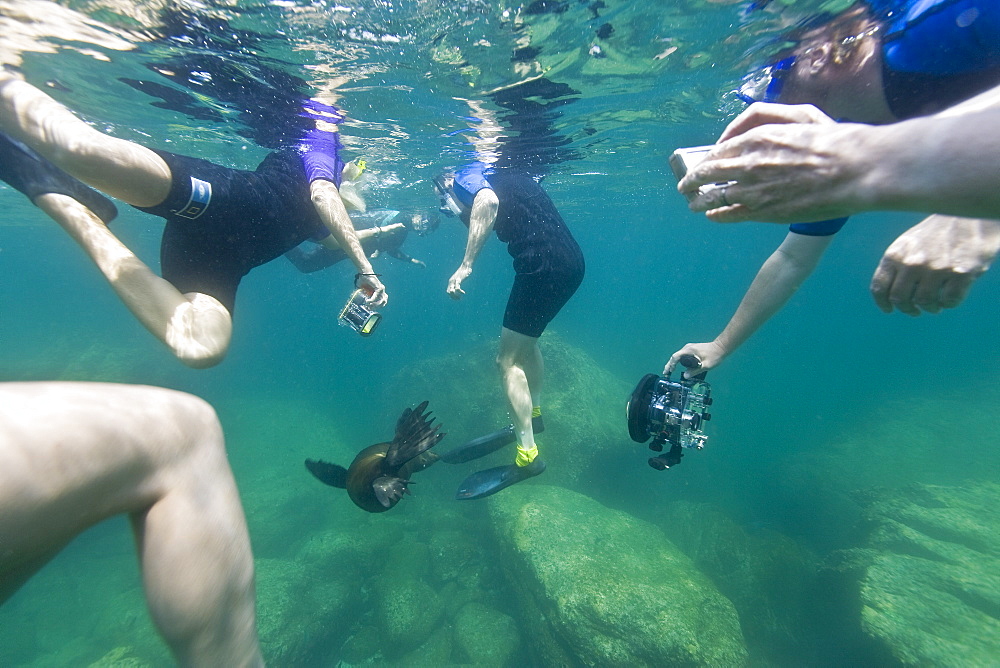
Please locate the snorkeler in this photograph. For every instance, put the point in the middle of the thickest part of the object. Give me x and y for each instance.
(220, 222)
(380, 233)
(876, 63)
(549, 268)
(75, 454)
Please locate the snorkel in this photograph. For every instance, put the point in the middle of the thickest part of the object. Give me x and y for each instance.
(350, 181)
(449, 204)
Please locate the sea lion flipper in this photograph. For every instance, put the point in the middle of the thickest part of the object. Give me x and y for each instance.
(414, 436)
(331, 474)
(389, 490)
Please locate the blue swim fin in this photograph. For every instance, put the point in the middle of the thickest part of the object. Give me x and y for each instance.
(490, 481)
(488, 444)
(479, 447)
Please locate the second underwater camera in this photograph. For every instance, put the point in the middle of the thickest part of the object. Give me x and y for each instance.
(672, 412)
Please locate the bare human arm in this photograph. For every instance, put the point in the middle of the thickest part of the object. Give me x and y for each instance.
(778, 279)
(332, 212)
(933, 264)
(481, 220)
(794, 164)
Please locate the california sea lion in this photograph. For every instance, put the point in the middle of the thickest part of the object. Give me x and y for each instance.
(379, 475)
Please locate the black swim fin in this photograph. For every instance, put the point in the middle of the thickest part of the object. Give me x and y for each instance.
(331, 474)
(488, 444)
(490, 481)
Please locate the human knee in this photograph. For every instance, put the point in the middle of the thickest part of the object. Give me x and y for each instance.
(199, 331)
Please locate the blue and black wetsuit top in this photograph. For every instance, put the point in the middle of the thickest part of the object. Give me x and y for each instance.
(548, 262)
(935, 54)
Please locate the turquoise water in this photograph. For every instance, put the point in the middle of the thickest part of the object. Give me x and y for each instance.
(829, 401)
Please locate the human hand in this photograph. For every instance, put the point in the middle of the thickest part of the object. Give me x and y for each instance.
(768, 113)
(783, 164)
(455, 282)
(933, 264)
(375, 294)
(711, 355)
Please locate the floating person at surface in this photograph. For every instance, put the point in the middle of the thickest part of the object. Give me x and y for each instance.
(549, 268)
(380, 233)
(220, 222)
(380, 474)
(75, 454)
(877, 62)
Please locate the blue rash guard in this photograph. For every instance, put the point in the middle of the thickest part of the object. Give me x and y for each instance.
(935, 54)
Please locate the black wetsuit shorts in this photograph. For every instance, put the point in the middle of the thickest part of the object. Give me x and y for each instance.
(223, 222)
(34, 176)
(548, 262)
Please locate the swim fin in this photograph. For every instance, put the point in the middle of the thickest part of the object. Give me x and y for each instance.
(490, 481)
(479, 447)
(490, 443)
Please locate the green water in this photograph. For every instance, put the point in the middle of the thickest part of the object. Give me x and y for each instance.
(829, 401)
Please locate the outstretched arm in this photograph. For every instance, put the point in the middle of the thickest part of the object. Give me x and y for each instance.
(794, 164)
(775, 283)
(481, 220)
(333, 213)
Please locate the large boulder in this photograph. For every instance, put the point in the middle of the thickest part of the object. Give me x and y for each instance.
(769, 577)
(599, 587)
(485, 636)
(931, 588)
(302, 615)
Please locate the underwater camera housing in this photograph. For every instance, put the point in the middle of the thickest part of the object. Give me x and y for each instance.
(357, 315)
(683, 159)
(672, 412)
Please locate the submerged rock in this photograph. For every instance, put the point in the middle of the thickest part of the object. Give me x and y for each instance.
(931, 586)
(303, 615)
(485, 636)
(600, 587)
(768, 576)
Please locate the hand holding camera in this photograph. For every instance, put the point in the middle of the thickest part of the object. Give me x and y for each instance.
(671, 412)
(684, 159)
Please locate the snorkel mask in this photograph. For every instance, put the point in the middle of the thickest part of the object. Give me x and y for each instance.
(766, 83)
(423, 224)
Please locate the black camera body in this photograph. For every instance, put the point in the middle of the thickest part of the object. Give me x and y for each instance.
(672, 412)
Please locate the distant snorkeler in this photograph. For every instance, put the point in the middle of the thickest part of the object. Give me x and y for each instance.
(380, 474)
(381, 232)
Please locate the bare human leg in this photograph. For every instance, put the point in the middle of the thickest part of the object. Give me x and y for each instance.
(522, 369)
(120, 168)
(74, 454)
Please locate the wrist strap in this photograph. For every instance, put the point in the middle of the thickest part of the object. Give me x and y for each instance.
(358, 276)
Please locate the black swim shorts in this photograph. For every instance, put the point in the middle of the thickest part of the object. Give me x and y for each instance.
(547, 275)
